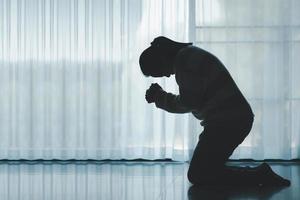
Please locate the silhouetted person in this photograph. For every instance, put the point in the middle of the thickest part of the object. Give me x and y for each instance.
(207, 90)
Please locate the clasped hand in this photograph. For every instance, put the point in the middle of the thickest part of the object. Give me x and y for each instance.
(152, 92)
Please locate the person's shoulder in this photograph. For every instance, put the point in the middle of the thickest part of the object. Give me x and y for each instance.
(190, 49)
(189, 57)
(185, 53)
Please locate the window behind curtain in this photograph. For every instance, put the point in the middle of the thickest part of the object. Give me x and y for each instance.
(259, 43)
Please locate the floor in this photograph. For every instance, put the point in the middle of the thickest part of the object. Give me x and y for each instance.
(126, 180)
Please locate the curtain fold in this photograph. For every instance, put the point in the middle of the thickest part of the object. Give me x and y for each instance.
(70, 83)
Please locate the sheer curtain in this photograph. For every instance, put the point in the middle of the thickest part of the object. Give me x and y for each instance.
(70, 83)
(259, 42)
(71, 87)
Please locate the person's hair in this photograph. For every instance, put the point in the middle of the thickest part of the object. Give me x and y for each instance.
(150, 61)
(162, 49)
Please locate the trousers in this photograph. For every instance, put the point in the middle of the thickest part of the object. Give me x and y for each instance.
(216, 144)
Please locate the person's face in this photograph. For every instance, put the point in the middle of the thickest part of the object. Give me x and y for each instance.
(163, 71)
(165, 68)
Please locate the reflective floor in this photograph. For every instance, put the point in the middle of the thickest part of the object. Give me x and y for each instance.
(126, 180)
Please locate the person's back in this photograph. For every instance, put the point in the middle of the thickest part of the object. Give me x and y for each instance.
(206, 85)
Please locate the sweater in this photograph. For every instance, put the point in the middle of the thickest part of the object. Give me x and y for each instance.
(206, 89)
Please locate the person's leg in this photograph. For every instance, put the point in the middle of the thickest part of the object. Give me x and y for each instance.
(216, 144)
(262, 175)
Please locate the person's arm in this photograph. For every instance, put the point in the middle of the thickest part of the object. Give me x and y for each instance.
(167, 101)
(170, 103)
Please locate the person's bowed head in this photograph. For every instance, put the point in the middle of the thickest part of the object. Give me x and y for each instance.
(158, 61)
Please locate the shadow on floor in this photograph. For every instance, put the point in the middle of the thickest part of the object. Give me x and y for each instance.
(228, 192)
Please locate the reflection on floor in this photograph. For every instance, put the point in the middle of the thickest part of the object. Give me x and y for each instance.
(126, 180)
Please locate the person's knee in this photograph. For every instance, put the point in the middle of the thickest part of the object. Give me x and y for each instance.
(190, 176)
(195, 175)
(202, 175)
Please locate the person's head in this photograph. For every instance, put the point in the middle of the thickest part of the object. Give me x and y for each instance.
(157, 60)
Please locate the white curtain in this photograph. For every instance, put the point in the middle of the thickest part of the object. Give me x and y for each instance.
(71, 87)
(70, 82)
(259, 42)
